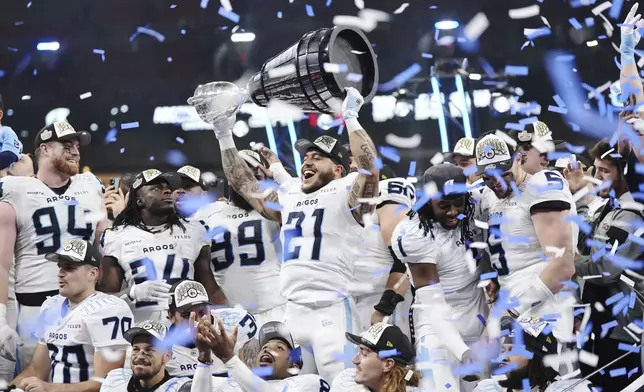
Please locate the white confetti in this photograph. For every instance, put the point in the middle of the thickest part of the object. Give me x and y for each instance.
(354, 77)
(556, 250)
(588, 277)
(478, 245)
(85, 95)
(587, 358)
(481, 224)
(554, 360)
(594, 180)
(626, 279)
(579, 194)
(471, 263)
(437, 159)
(400, 9)
(403, 142)
(226, 5)
(545, 21)
(366, 25)
(375, 15)
(483, 283)
(359, 287)
(281, 71)
(359, 4)
(632, 205)
(476, 27)
(524, 13)
(602, 7)
(599, 307)
(430, 189)
(335, 68)
(506, 138)
(633, 327)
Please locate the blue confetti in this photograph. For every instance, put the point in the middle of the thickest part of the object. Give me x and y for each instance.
(616, 8)
(489, 275)
(528, 120)
(557, 109)
(273, 205)
(611, 300)
(176, 158)
(559, 101)
(111, 135)
(554, 155)
(412, 169)
(387, 353)
(628, 347)
(377, 163)
(575, 149)
(130, 125)
(152, 33)
(525, 384)
(540, 32)
(575, 23)
(389, 153)
(152, 158)
(122, 150)
(632, 371)
(204, 3)
(328, 2)
(515, 126)
(179, 139)
(519, 70)
(263, 372)
(309, 10)
(2, 73)
(481, 319)
(279, 14)
(590, 22)
(578, 312)
(230, 15)
(401, 78)
(571, 284)
(617, 372)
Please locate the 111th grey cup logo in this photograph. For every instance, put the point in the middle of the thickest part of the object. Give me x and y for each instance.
(78, 247)
(327, 143)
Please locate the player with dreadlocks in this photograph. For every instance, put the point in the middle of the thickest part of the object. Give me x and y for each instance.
(151, 246)
(434, 243)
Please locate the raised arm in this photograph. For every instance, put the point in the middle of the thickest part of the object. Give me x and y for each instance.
(629, 78)
(365, 186)
(8, 335)
(239, 175)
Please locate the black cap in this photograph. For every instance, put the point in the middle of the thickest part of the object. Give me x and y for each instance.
(187, 293)
(193, 174)
(493, 153)
(76, 251)
(152, 328)
(60, 132)
(385, 337)
(328, 146)
(154, 176)
(275, 330)
(347, 147)
(386, 173)
(255, 158)
(449, 179)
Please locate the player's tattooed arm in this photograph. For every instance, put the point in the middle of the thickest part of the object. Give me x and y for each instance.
(203, 275)
(365, 185)
(242, 180)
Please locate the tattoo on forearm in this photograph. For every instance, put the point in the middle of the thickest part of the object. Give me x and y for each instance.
(237, 172)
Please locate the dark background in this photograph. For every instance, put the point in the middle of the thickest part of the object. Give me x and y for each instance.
(137, 73)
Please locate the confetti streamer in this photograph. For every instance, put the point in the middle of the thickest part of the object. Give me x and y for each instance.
(524, 13)
(575, 23)
(518, 70)
(230, 15)
(309, 10)
(401, 78)
(130, 125)
(153, 33)
(476, 26)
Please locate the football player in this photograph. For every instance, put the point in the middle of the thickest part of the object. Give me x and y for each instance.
(434, 243)
(80, 331)
(530, 219)
(279, 362)
(377, 264)
(533, 144)
(321, 217)
(151, 246)
(383, 364)
(150, 355)
(37, 216)
(246, 250)
(187, 199)
(189, 302)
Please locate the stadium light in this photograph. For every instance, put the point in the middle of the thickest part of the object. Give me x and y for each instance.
(48, 46)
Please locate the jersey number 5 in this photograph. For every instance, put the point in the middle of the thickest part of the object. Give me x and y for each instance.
(51, 226)
(296, 218)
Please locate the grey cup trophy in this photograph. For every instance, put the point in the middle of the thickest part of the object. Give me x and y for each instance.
(308, 85)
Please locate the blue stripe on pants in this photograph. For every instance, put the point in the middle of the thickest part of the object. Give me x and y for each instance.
(350, 350)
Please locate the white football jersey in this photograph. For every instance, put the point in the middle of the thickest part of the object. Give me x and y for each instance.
(45, 221)
(515, 251)
(318, 230)
(346, 382)
(489, 385)
(117, 380)
(245, 255)
(484, 197)
(73, 335)
(445, 249)
(375, 262)
(185, 359)
(167, 255)
(301, 383)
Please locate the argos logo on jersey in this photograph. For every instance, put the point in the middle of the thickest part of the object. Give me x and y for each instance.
(307, 203)
(57, 336)
(55, 199)
(157, 248)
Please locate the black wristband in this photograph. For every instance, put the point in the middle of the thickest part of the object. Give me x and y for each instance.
(388, 302)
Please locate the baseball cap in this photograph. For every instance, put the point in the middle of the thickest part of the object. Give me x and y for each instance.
(60, 132)
(76, 251)
(534, 132)
(328, 146)
(449, 179)
(385, 337)
(386, 173)
(152, 328)
(187, 293)
(492, 153)
(255, 157)
(192, 173)
(154, 176)
(465, 147)
(275, 330)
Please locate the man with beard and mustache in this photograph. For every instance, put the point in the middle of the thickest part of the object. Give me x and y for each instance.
(434, 243)
(322, 218)
(529, 220)
(37, 216)
(246, 250)
(150, 354)
(151, 246)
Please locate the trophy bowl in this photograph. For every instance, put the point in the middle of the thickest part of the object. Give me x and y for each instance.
(216, 100)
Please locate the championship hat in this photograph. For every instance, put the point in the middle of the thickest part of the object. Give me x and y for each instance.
(76, 251)
(152, 328)
(327, 146)
(60, 132)
(191, 173)
(382, 337)
(187, 293)
(465, 147)
(493, 153)
(154, 176)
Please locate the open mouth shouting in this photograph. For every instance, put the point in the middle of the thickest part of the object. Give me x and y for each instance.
(266, 359)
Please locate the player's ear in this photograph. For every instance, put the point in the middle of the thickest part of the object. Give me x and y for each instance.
(387, 365)
(139, 202)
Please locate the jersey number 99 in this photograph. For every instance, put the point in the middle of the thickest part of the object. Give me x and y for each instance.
(46, 223)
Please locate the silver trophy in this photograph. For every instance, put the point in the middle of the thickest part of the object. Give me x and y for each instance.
(217, 101)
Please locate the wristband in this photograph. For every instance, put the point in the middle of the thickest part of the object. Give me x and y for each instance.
(388, 302)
